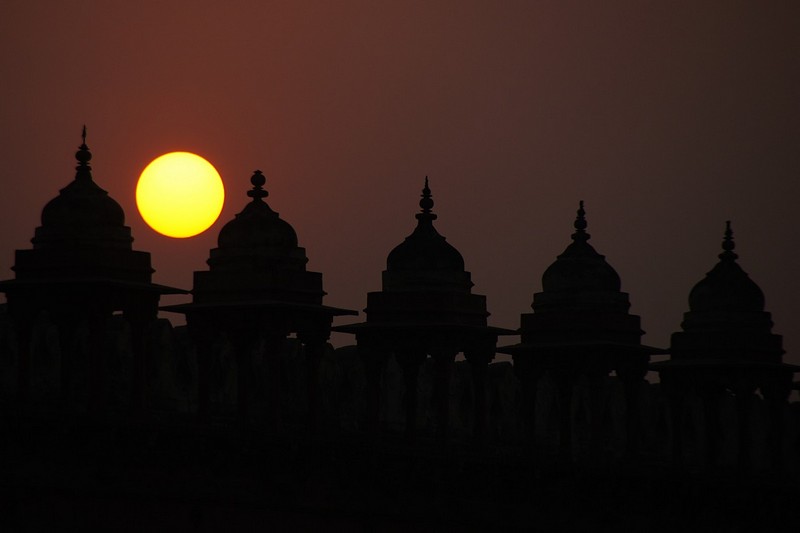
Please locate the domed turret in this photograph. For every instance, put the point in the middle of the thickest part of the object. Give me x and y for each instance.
(726, 318)
(257, 260)
(425, 249)
(257, 238)
(580, 278)
(726, 347)
(580, 268)
(257, 225)
(425, 281)
(83, 215)
(726, 287)
(425, 260)
(82, 269)
(426, 307)
(256, 293)
(580, 326)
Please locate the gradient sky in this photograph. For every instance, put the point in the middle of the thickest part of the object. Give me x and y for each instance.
(667, 118)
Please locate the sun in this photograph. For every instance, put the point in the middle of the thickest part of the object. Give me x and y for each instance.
(180, 194)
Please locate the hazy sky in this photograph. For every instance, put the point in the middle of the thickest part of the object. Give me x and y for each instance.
(667, 118)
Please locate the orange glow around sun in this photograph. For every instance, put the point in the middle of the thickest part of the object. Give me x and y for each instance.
(180, 194)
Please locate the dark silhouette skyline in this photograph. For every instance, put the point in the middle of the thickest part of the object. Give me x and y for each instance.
(247, 416)
(666, 119)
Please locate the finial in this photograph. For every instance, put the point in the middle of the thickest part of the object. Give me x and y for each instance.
(727, 243)
(257, 192)
(83, 155)
(580, 225)
(426, 203)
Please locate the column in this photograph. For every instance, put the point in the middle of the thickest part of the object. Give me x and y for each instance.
(373, 355)
(314, 344)
(410, 360)
(528, 372)
(443, 368)
(24, 331)
(632, 372)
(273, 350)
(242, 347)
(97, 361)
(139, 316)
(776, 389)
(479, 359)
(564, 379)
(203, 336)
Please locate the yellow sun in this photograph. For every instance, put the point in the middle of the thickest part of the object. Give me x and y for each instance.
(180, 194)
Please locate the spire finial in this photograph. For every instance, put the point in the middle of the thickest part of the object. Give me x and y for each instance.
(580, 225)
(727, 244)
(257, 192)
(426, 203)
(83, 155)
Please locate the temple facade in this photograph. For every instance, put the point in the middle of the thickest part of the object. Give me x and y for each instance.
(580, 330)
(724, 355)
(80, 272)
(256, 293)
(426, 308)
(248, 413)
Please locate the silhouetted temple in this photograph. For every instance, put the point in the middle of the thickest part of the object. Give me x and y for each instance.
(81, 270)
(727, 351)
(426, 308)
(581, 329)
(256, 293)
(247, 418)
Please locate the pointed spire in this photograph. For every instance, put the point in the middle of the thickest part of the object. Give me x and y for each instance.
(580, 225)
(257, 193)
(728, 245)
(426, 204)
(83, 155)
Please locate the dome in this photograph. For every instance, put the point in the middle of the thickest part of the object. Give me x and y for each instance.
(726, 287)
(82, 213)
(257, 239)
(425, 249)
(257, 225)
(580, 268)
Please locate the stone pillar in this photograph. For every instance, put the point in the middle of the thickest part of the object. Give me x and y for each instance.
(676, 390)
(373, 356)
(632, 373)
(776, 389)
(410, 360)
(24, 332)
(273, 348)
(744, 401)
(97, 361)
(564, 382)
(443, 367)
(478, 359)
(203, 336)
(713, 429)
(528, 372)
(242, 347)
(597, 385)
(67, 327)
(314, 344)
(139, 317)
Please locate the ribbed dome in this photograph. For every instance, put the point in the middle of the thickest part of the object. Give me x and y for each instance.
(580, 268)
(82, 214)
(425, 249)
(257, 225)
(726, 287)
